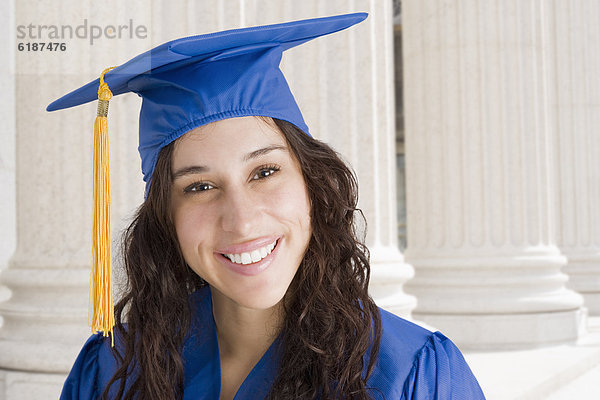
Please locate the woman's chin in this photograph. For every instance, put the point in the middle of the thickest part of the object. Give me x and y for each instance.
(259, 300)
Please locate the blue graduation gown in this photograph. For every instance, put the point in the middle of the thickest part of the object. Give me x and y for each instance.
(413, 364)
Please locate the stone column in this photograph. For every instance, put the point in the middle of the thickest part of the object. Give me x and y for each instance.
(7, 148)
(45, 319)
(344, 85)
(480, 173)
(7, 138)
(577, 145)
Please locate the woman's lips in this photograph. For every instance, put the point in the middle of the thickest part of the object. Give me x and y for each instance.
(253, 268)
(252, 256)
(249, 246)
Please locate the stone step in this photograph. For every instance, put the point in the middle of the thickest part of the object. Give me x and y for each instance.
(541, 373)
(587, 386)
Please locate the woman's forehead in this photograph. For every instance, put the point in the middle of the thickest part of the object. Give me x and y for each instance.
(253, 127)
(233, 135)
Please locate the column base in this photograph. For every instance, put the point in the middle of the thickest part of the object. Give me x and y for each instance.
(45, 320)
(584, 277)
(592, 303)
(4, 295)
(509, 331)
(389, 273)
(39, 357)
(15, 385)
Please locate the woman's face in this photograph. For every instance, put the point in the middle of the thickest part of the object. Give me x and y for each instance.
(241, 209)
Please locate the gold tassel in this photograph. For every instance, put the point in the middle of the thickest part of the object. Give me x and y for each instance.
(102, 318)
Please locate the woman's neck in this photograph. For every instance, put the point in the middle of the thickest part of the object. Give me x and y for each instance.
(244, 333)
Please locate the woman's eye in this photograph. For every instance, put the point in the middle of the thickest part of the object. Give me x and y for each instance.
(265, 172)
(198, 187)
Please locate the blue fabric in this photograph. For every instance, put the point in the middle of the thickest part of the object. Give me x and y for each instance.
(413, 364)
(192, 81)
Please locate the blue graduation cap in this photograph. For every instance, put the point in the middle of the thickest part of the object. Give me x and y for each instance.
(192, 81)
(184, 84)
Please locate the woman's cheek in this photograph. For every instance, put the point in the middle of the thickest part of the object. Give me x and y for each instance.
(291, 203)
(191, 224)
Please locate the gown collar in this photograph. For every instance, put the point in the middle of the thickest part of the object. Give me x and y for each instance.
(202, 361)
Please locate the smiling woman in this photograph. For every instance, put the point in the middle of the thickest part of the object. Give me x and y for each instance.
(244, 187)
(246, 278)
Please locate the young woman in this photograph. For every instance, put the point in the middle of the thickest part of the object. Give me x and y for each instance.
(245, 276)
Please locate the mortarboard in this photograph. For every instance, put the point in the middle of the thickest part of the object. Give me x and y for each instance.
(184, 84)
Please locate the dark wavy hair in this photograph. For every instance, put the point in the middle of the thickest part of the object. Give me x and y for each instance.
(330, 321)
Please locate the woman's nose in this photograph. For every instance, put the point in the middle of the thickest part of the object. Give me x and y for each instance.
(240, 212)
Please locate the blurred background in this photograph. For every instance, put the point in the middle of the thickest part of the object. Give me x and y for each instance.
(472, 126)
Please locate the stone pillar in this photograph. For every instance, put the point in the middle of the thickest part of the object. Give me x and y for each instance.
(45, 319)
(347, 99)
(480, 176)
(577, 145)
(7, 138)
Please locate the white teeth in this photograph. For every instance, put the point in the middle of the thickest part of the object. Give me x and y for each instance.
(255, 255)
(246, 258)
(252, 257)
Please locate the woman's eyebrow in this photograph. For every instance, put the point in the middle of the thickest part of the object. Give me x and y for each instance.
(194, 169)
(264, 150)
